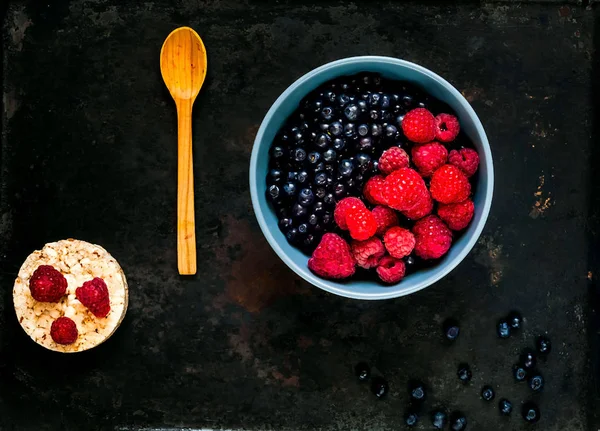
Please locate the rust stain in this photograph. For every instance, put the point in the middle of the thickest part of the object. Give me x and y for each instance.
(240, 343)
(542, 200)
(244, 142)
(489, 253)
(472, 93)
(293, 381)
(257, 276)
(305, 342)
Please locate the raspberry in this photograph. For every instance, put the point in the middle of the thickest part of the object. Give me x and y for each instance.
(429, 157)
(423, 208)
(392, 159)
(64, 331)
(404, 188)
(94, 295)
(446, 127)
(385, 218)
(361, 223)
(368, 253)
(457, 216)
(342, 207)
(391, 270)
(466, 159)
(399, 242)
(419, 126)
(47, 284)
(332, 258)
(449, 185)
(373, 190)
(433, 238)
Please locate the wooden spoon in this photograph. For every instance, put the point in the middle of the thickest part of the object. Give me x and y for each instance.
(183, 68)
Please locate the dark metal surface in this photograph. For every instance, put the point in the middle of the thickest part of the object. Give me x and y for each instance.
(89, 151)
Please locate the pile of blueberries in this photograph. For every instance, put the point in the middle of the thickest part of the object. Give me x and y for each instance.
(524, 370)
(329, 147)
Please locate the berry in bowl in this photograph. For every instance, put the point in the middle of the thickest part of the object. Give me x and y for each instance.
(371, 177)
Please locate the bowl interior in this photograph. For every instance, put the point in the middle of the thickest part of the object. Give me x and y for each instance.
(389, 68)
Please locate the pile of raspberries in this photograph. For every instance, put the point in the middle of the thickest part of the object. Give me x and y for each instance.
(377, 239)
(47, 284)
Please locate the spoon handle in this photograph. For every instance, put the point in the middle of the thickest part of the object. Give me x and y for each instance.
(186, 229)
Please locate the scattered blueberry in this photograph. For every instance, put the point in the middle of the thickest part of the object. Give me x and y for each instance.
(411, 418)
(329, 155)
(519, 373)
(273, 192)
(439, 419)
(530, 412)
(543, 344)
(379, 387)
(503, 329)
(451, 329)
(336, 128)
(528, 359)
(362, 371)
(298, 211)
(299, 154)
(306, 197)
(464, 373)
(290, 189)
(536, 382)
(458, 421)
(515, 320)
(487, 393)
(417, 391)
(505, 407)
(351, 112)
(346, 167)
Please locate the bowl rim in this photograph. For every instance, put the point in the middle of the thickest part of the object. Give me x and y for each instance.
(324, 283)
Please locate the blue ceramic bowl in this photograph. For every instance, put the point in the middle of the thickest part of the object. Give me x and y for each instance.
(390, 68)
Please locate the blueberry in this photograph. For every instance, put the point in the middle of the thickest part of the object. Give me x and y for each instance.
(338, 144)
(299, 154)
(320, 192)
(329, 155)
(303, 228)
(464, 373)
(363, 130)
(411, 418)
(321, 179)
(374, 114)
(324, 127)
(336, 128)
(519, 373)
(298, 136)
(302, 177)
(530, 412)
(349, 130)
(329, 95)
(309, 240)
(487, 393)
(362, 105)
(407, 100)
(374, 99)
(362, 371)
(319, 167)
(298, 211)
(313, 219)
(528, 359)
(503, 329)
(399, 119)
(376, 166)
(322, 141)
(327, 218)
(385, 101)
(543, 345)
(317, 105)
(277, 152)
(285, 223)
(458, 421)
(515, 320)
(536, 382)
(505, 407)
(292, 176)
(376, 129)
(343, 99)
(439, 419)
(451, 328)
(391, 130)
(351, 112)
(306, 197)
(410, 261)
(339, 190)
(273, 192)
(363, 162)
(385, 116)
(329, 199)
(365, 144)
(290, 189)
(318, 208)
(417, 391)
(292, 235)
(379, 387)
(345, 168)
(327, 113)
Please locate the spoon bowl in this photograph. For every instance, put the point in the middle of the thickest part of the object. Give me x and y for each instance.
(183, 69)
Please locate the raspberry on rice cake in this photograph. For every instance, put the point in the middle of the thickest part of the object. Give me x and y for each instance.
(79, 262)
